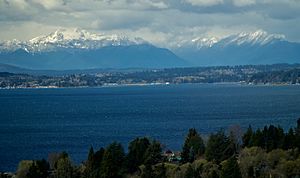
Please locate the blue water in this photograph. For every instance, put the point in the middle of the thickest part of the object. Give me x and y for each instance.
(35, 122)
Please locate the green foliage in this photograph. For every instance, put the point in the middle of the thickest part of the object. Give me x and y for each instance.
(52, 159)
(210, 170)
(94, 162)
(193, 146)
(147, 171)
(252, 161)
(98, 156)
(273, 137)
(160, 171)
(64, 167)
(297, 134)
(189, 173)
(90, 161)
(193, 172)
(136, 155)
(256, 162)
(258, 138)
(153, 153)
(290, 139)
(266, 159)
(23, 168)
(247, 137)
(112, 163)
(39, 169)
(230, 169)
(219, 147)
(290, 168)
(270, 138)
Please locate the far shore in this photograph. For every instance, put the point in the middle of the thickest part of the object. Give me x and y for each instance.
(109, 85)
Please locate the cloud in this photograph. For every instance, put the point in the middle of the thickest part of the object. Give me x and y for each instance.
(240, 3)
(204, 2)
(162, 22)
(50, 4)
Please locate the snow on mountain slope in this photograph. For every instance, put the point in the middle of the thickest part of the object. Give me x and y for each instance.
(257, 47)
(258, 37)
(79, 49)
(71, 39)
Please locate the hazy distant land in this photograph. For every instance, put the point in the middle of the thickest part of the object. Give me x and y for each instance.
(277, 74)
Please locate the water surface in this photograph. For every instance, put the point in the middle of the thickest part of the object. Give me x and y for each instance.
(35, 122)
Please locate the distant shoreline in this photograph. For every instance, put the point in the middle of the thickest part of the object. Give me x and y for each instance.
(151, 84)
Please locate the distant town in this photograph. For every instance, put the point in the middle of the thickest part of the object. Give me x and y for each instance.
(277, 74)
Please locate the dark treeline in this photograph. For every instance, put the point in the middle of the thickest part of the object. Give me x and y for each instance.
(269, 152)
(271, 138)
(287, 76)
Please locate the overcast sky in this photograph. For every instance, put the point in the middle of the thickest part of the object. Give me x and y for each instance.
(157, 21)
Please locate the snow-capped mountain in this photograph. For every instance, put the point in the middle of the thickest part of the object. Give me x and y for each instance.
(79, 49)
(70, 39)
(257, 47)
(259, 37)
(197, 43)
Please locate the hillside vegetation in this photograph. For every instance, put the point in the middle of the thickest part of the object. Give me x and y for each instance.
(267, 152)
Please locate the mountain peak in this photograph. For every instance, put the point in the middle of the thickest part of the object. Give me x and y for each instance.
(70, 39)
(66, 34)
(205, 42)
(259, 37)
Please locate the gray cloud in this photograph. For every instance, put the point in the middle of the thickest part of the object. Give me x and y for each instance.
(162, 22)
(204, 2)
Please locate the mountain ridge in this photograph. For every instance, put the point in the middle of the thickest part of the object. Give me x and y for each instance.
(257, 47)
(79, 49)
(69, 39)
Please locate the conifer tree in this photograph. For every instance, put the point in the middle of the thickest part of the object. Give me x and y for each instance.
(247, 137)
(231, 169)
(136, 155)
(112, 163)
(219, 147)
(90, 163)
(193, 146)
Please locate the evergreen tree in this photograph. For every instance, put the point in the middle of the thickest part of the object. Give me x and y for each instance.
(233, 142)
(33, 171)
(231, 169)
(193, 146)
(297, 134)
(153, 153)
(136, 155)
(258, 139)
(93, 164)
(219, 147)
(289, 139)
(90, 163)
(39, 169)
(112, 163)
(273, 137)
(98, 156)
(247, 137)
(43, 167)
